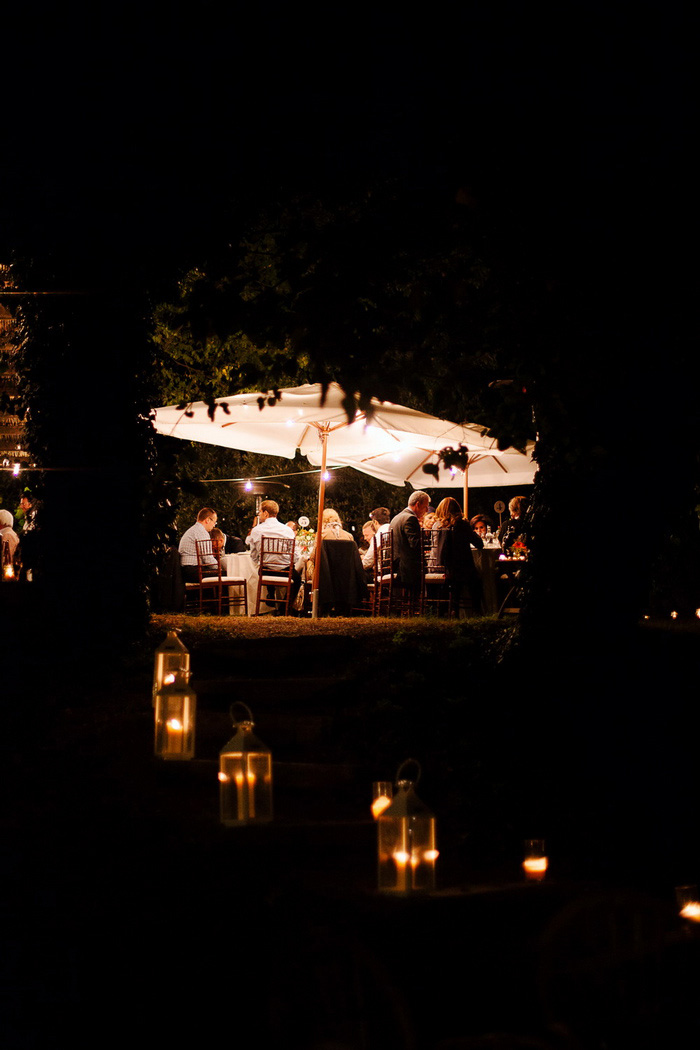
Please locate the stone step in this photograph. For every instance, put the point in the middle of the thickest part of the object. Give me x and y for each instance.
(220, 691)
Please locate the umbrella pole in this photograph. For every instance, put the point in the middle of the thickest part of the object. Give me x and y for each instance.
(319, 528)
(466, 491)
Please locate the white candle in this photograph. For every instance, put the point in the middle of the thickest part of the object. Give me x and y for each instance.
(401, 858)
(535, 867)
(175, 735)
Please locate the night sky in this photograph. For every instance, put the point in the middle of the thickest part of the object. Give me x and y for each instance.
(128, 137)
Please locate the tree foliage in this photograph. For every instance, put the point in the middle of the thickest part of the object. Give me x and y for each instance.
(392, 292)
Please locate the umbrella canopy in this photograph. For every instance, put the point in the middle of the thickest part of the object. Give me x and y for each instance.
(299, 421)
(485, 469)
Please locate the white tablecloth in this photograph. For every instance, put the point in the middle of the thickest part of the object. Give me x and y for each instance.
(241, 566)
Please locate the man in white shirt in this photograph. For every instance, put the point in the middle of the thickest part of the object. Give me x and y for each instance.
(270, 526)
(206, 521)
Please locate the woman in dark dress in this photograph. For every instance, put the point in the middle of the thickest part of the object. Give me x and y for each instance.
(454, 551)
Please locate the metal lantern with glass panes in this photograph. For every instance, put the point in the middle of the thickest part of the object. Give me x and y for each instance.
(176, 707)
(245, 775)
(8, 567)
(406, 839)
(171, 655)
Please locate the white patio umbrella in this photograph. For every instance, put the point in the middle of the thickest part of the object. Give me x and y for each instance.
(298, 420)
(484, 468)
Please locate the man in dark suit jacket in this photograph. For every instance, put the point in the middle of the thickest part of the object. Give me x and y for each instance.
(406, 531)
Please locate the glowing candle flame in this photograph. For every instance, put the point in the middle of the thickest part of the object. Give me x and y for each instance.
(691, 911)
(379, 805)
(175, 724)
(535, 867)
(223, 778)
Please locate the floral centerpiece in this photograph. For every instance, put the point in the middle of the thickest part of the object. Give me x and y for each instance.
(305, 537)
(518, 550)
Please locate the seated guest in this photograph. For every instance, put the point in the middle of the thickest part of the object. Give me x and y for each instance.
(270, 527)
(481, 524)
(8, 536)
(218, 541)
(516, 526)
(333, 527)
(341, 581)
(428, 521)
(7, 531)
(206, 521)
(454, 552)
(368, 530)
(382, 517)
(234, 543)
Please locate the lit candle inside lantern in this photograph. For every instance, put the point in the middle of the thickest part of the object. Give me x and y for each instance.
(241, 796)
(401, 859)
(535, 867)
(536, 862)
(382, 794)
(688, 902)
(174, 729)
(379, 805)
(175, 711)
(170, 657)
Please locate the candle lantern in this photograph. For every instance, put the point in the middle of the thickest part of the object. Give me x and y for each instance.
(176, 705)
(406, 840)
(245, 775)
(8, 566)
(171, 656)
(535, 861)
